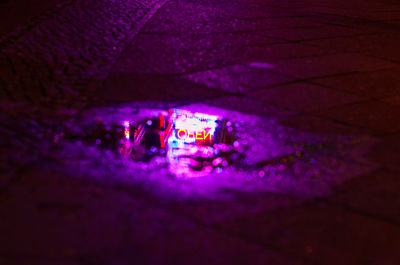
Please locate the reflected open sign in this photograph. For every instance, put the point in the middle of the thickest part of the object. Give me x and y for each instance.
(183, 134)
(195, 128)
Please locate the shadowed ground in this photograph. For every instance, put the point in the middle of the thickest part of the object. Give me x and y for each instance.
(313, 72)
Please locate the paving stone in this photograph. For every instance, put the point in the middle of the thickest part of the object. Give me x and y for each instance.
(303, 97)
(342, 44)
(318, 66)
(112, 227)
(247, 105)
(366, 44)
(199, 42)
(14, 16)
(240, 78)
(378, 117)
(246, 10)
(22, 260)
(204, 19)
(320, 232)
(210, 212)
(395, 100)
(383, 47)
(133, 88)
(383, 15)
(148, 58)
(71, 45)
(379, 44)
(375, 194)
(309, 33)
(386, 152)
(376, 84)
(267, 23)
(311, 123)
(272, 53)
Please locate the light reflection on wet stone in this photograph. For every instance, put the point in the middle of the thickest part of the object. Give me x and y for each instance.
(253, 153)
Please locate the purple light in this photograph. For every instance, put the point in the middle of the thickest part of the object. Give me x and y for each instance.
(189, 127)
(190, 151)
(126, 129)
(192, 143)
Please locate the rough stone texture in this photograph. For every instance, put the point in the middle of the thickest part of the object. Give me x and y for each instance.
(55, 59)
(13, 17)
(326, 68)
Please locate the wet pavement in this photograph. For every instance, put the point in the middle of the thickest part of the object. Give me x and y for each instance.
(200, 132)
(184, 153)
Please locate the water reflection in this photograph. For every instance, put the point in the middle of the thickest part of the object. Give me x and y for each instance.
(193, 143)
(229, 149)
(199, 143)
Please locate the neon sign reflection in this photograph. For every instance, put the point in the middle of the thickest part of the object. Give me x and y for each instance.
(190, 150)
(188, 127)
(193, 144)
(184, 134)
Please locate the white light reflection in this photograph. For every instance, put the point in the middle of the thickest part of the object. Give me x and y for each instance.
(190, 151)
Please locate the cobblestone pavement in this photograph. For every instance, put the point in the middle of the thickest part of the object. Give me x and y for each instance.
(55, 57)
(311, 72)
(14, 17)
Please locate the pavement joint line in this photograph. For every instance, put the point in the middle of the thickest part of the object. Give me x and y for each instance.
(391, 134)
(380, 58)
(367, 131)
(359, 20)
(364, 213)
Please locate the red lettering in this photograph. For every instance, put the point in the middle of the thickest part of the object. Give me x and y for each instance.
(179, 134)
(207, 134)
(183, 134)
(199, 136)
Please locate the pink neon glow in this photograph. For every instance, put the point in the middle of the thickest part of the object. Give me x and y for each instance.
(192, 127)
(182, 134)
(125, 144)
(126, 130)
(188, 140)
(192, 136)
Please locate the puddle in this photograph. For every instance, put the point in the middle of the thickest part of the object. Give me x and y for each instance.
(199, 150)
(192, 144)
